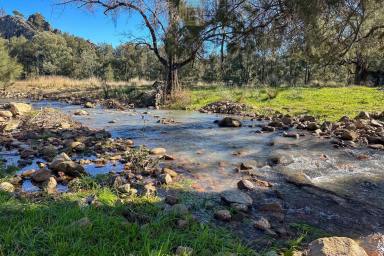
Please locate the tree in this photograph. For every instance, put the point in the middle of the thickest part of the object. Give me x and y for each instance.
(17, 13)
(9, 68)
(177, 30)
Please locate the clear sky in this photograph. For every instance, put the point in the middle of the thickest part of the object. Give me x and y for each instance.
(94, 26)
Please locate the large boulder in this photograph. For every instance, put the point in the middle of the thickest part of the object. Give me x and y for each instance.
(62, 163)
(335, 246)
(229, 122)
(19, 108)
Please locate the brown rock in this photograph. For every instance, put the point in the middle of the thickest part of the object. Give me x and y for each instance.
(335, 246)
(41, 175)
(223, 215)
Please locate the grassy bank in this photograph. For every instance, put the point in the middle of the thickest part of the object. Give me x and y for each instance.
(324, 103)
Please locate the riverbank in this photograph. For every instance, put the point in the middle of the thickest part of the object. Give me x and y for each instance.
(276, 186)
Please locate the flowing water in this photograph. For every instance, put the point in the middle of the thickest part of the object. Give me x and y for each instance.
(209, 155)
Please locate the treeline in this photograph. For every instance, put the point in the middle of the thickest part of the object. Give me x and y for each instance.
(256, 59)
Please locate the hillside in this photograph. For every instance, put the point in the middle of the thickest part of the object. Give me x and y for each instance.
(11, 26)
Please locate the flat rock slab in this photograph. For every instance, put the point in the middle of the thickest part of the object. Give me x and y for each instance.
(238, 197)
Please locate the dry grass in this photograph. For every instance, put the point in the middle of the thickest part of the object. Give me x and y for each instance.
(60, 83)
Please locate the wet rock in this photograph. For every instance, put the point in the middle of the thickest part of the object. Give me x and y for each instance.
(183, 251)
(28, 173)
(276, 124)
(229, 122)
(19, 108)
(299, 178)
(236, 197)
(41, 175)
(332, 246)
(158, 151)
(50, 185)
(7, 187)
(245, 184)
(89, 104)
(349, 135)
(49, 152)
(376, 146)
(62, 163)
(81, 112)
(223, 215)
(171, 200)
(373, 244)
(291, 135)
(6, 114)
(267, 128)
(249, 165)
(165, 179)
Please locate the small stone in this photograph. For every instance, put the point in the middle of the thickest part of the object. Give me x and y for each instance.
(77, 146)
(184, 251)
(349, 135)
(89, 105)
(158, 151)
(169, 157)
(16, 180)
(171, 200)
(240, 207)
(268, 129)
(376, 146)
(291, 135)
(7, 187)
(249, 165)
(6, 114)
(81, 112)
(223, 215)
(165, 179)
(229, 122)
(262, 224)
(28, 173)
(171, 172)
(245, 184)
(363, 115)
(50, 185)
(312, 126)
(126, 188)
(271, 207)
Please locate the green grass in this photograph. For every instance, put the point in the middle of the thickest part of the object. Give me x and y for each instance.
(48, 227)
(324, 103)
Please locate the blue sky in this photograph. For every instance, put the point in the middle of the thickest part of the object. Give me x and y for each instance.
(94, 26)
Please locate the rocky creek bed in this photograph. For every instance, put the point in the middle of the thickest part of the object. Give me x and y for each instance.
(260, 175)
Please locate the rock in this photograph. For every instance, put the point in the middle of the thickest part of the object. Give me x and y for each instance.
(299, 178)
(183, 251)
(28, 173)
(19, 108)
(10, 126)
(171, 172)
(312, 126)
(6, 114)
(349, 135)
(236, 197)
(158, 151)
(165, 179)
(291, 135)
(276, 123)
(262, 224)
(7, 187)
(41, 175)
(16, 180)
(49, 152)
(89, 105)
(335, 246)
(126, 188)
(62, 163)
(50, 185)
(376, 146)
(229, 122)
(245, 184)
(77, 146)
(375, 140)
(240, 207)
(275, 207)
(373, 244)
(267, 128)
(249, 165)
(344, 119)
(81, 112)
(168, 157)
(223, 215)
(179, 210)
(262, 183)
(171, 200)
(307, 118)
(363, 115)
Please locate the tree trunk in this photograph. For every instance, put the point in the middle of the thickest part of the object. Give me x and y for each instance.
(361, 70)
(172, 84)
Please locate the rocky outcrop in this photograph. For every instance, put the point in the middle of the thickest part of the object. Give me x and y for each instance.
(225, 107)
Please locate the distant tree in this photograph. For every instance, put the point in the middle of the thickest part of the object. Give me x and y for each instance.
(9, 68)
(2, 12)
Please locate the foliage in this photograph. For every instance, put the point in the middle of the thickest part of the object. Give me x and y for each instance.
(9, 68)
